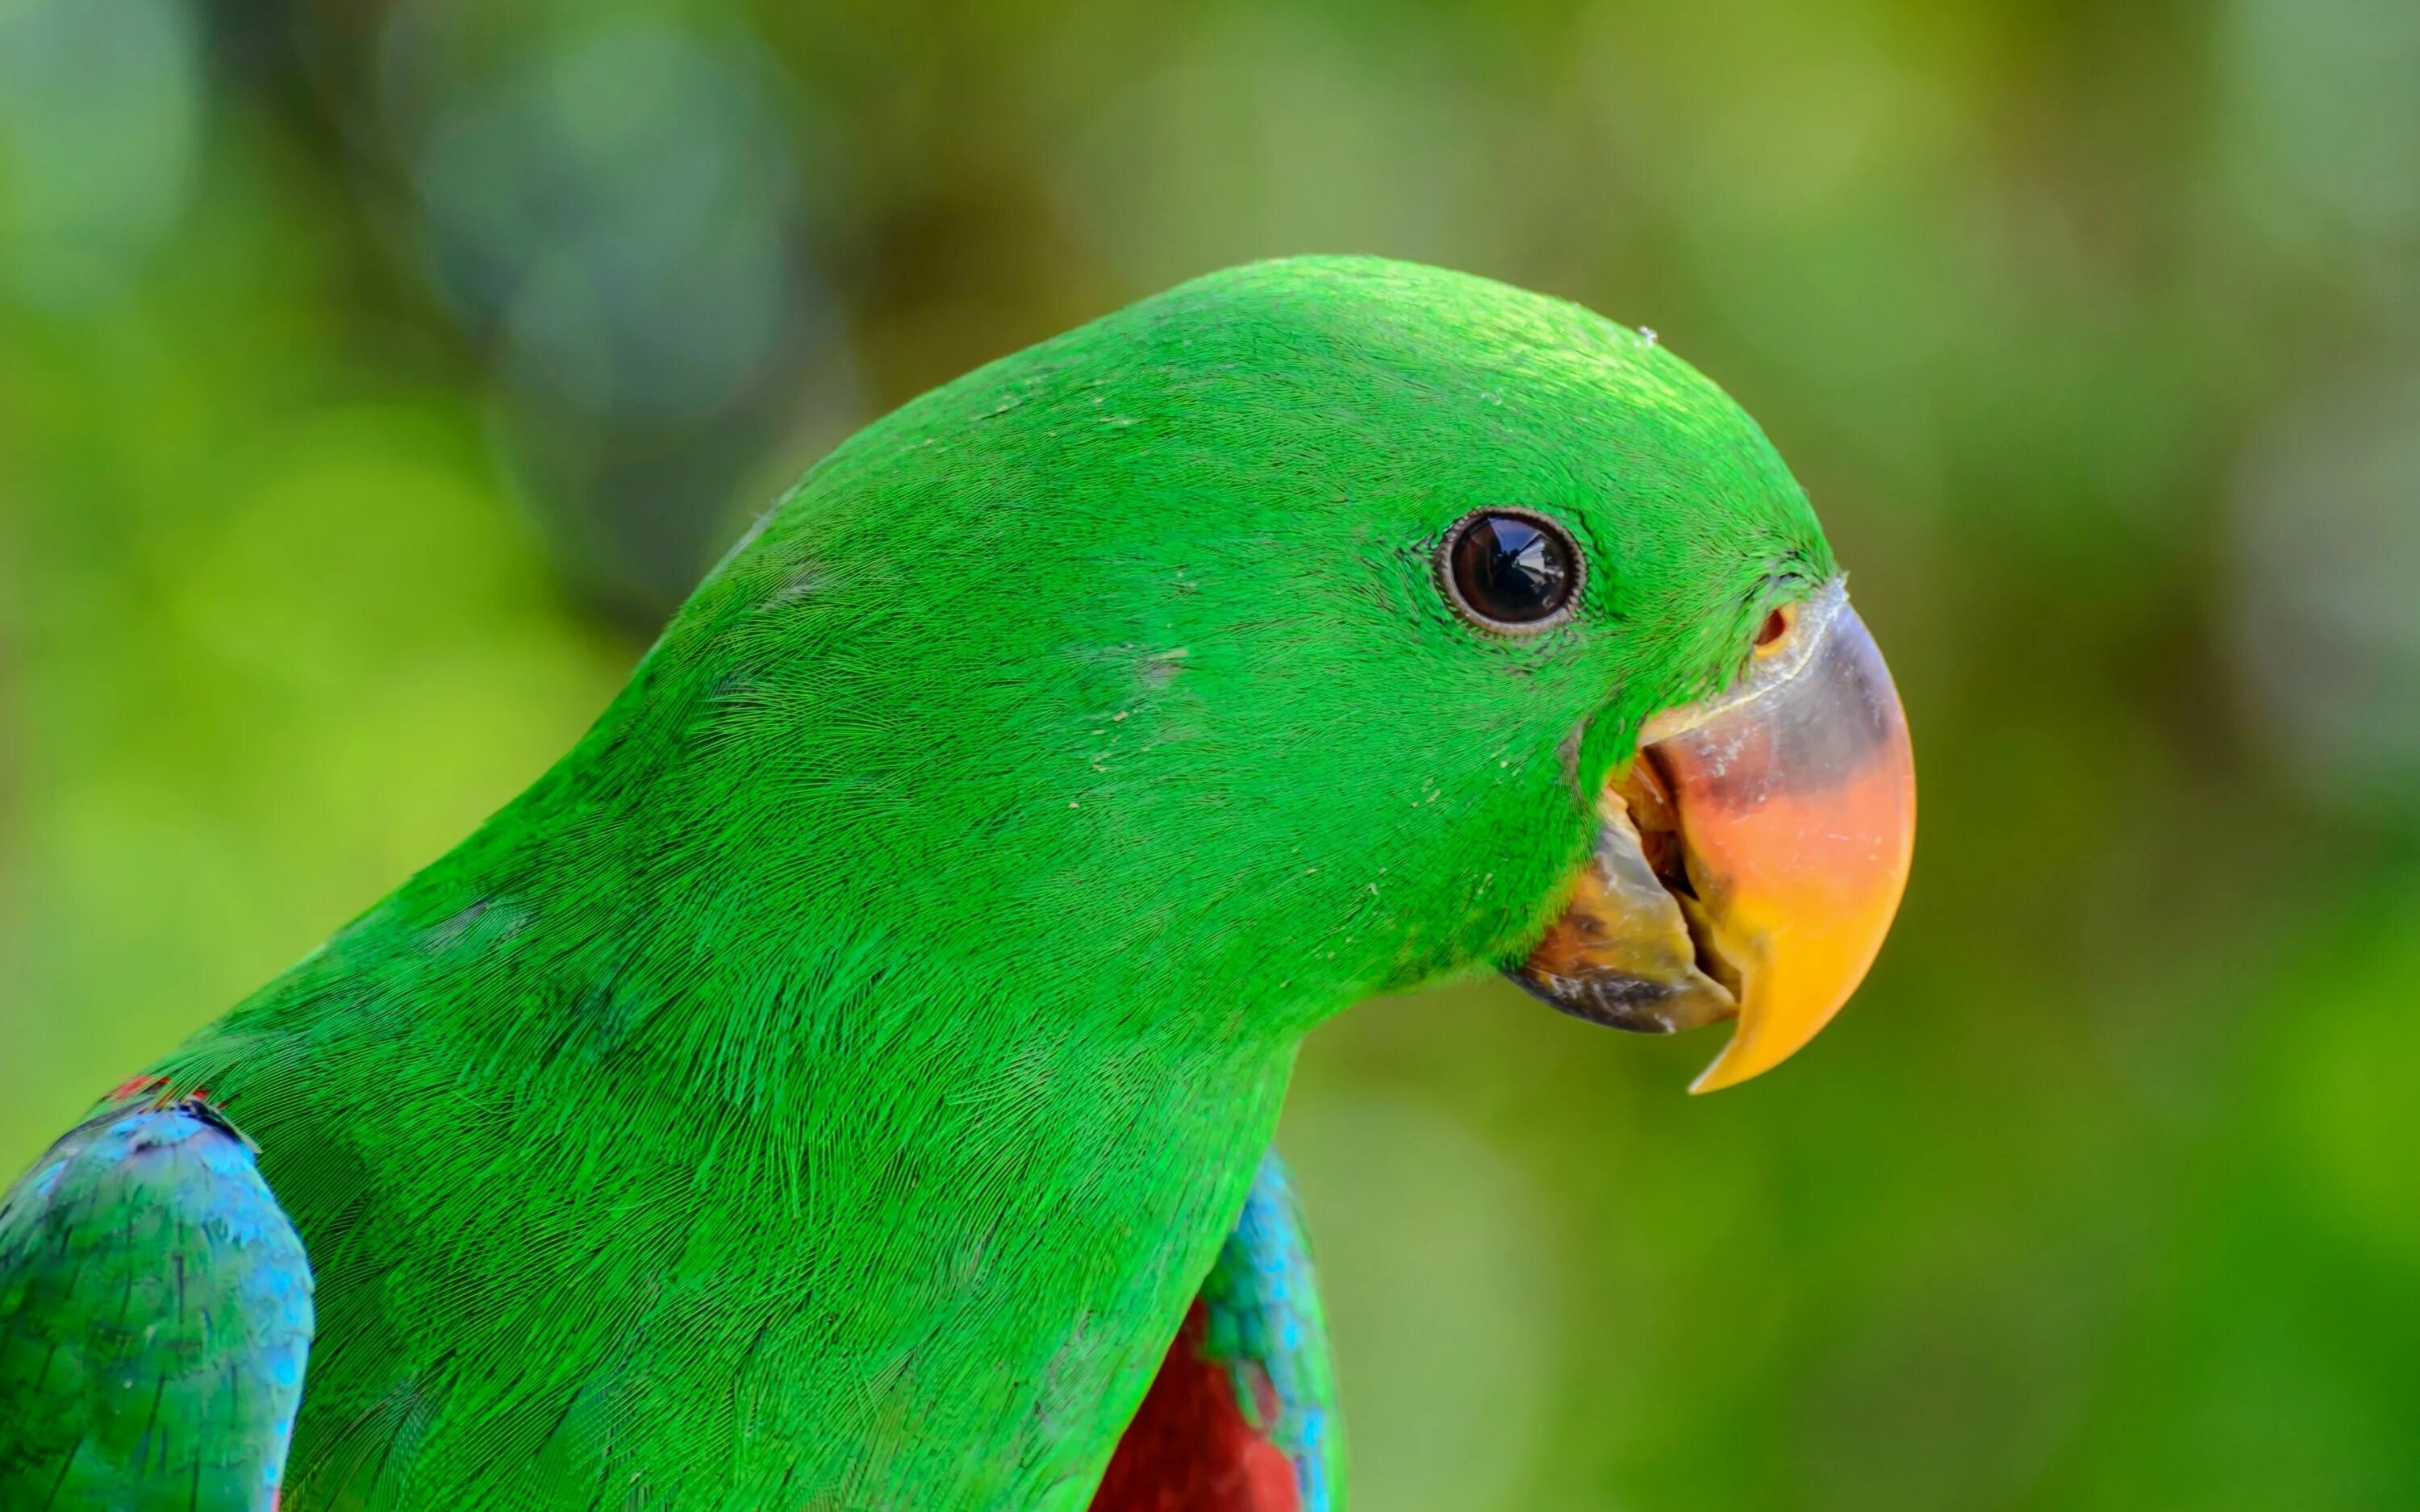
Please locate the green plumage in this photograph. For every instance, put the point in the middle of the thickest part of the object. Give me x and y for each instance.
(828, 1087)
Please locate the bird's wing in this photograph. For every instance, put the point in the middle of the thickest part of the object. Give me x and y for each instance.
(155, 1314)
(1242, 1417)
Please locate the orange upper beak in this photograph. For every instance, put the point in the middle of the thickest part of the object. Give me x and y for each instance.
(1748, 861)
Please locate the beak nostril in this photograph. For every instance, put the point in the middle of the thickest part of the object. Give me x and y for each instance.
(1776, 625)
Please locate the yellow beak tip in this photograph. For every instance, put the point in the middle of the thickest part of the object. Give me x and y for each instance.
(1723, 1072)
(1756, 1048)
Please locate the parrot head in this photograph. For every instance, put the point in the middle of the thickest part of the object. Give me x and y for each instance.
(1317, 629)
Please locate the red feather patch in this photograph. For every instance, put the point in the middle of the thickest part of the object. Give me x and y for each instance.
(1189, 1449)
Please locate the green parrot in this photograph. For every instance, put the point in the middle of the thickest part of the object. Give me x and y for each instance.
(845, 1080)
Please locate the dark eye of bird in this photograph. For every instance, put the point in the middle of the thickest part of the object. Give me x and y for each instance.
(1511, 570)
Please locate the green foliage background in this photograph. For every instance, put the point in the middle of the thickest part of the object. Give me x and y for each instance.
(374, 376)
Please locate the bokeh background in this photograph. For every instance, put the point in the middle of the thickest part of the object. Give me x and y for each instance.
(375, 376)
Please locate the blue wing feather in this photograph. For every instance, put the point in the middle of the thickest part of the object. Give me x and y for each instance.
(1267, 1326)
(155, 1319)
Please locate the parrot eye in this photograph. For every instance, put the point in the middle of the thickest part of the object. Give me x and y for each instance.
(1511, 571)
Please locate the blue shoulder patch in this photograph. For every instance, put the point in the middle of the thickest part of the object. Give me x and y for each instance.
(155, 1319)
(1266, 1327)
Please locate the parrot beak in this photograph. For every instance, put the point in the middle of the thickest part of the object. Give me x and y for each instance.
(1748, 859)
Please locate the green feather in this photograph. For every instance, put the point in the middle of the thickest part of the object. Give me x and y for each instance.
(829, 1084)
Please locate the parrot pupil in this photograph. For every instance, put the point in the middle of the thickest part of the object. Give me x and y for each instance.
(1511, 570)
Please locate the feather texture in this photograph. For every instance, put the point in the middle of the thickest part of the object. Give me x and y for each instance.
(155, 1316)
(1242, 1417)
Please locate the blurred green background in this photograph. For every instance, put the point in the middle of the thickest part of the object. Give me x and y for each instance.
(374, 377)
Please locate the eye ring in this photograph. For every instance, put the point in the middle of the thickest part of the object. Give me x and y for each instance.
(1511, 571)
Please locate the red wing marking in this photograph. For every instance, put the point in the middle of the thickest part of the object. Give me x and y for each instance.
(1189, 1449)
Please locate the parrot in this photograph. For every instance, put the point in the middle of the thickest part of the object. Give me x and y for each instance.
(847, 1078)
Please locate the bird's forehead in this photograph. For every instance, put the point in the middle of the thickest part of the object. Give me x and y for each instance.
(1310, 428)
